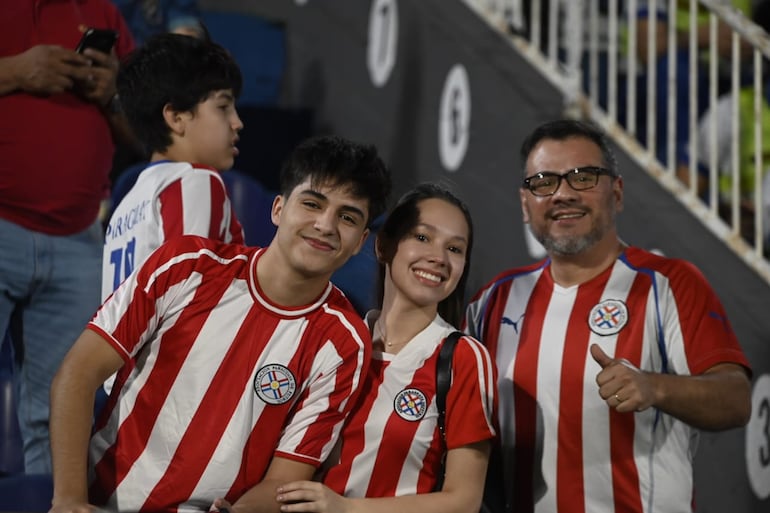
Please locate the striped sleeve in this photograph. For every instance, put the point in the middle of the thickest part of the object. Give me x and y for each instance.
(472, 399)
(338, 369)
(197, 204)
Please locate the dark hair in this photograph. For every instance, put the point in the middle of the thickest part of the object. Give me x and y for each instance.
(172, 69)
(334, 161)
(402, 219)
(566, 129)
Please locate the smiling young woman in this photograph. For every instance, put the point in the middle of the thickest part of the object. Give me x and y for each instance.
(390, 446)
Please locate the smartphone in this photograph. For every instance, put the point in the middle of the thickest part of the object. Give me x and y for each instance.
(98, 39)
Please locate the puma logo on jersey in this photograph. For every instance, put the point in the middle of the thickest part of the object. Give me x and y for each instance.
(508, 321)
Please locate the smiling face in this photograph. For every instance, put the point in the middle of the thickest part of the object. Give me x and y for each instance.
(319, 228)
(571, 222)
(207, 135)
(430, 259)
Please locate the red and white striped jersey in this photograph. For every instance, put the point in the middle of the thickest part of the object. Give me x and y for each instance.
(168, 199)
(390, 445)
(564, 449)
(217, 379)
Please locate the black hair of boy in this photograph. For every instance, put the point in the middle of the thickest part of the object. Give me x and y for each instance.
(178, 70)
(334, 161)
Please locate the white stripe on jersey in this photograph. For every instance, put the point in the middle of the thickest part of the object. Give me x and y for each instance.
(486, 385)
(197, 206)
(360, 368)
(596, 417)
(549, 364)
(514, 311)
(395, 377)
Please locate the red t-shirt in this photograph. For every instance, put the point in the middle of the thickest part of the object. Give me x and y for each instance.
(55, 151)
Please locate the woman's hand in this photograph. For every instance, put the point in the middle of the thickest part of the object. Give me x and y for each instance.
(309, 496)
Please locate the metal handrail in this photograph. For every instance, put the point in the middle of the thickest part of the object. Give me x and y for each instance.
(566, 76)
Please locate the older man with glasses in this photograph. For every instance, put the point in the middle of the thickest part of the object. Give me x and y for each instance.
(610, 358)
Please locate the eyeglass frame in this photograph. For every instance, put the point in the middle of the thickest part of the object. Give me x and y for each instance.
(597, 171)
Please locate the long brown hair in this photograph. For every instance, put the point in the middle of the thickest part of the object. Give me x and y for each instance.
(402, 219)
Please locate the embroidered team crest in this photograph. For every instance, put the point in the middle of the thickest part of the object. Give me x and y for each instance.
(274, 384)
(608, 317)
(410, 404)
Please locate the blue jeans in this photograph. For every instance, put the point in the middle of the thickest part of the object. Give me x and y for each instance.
(53, 284)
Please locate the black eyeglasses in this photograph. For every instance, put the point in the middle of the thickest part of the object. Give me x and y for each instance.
(546, 183)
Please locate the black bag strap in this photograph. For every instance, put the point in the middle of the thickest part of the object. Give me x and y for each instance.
(443, 380)
(494, 494)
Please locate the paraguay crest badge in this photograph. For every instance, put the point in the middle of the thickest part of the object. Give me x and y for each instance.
(608, 317)
(410, 404)
(275, 384)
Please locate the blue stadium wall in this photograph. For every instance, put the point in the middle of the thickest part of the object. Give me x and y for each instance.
(446, 99)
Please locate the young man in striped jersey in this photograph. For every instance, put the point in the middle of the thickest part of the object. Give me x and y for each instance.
(610, 358)
(237, 365)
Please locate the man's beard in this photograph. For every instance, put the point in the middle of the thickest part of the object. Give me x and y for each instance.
(568, 245)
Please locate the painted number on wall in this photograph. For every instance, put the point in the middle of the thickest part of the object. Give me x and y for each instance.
(454, 118)
(383, 35)
(758, 439)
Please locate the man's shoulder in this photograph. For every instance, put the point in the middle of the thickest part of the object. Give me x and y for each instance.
(339, 302)
(160, 175)
(343, 314)
(196, 245)
(676, 270)
(511, 274)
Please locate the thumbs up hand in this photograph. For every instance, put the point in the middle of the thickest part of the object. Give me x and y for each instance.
(622, 386)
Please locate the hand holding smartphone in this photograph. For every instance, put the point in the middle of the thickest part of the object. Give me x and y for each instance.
(99, 39)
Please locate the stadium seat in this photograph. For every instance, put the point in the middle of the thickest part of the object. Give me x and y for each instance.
(252, 203)
(259, 47)
(30, 493)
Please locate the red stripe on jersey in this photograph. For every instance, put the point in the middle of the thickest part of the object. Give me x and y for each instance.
(236, 230)
(147, 406)
(205, 430)
(354, 441)
(569, 476)
(525, 394)
(396, 431)
(341, 400)
(318, 434)
(625, 475)
(218, 195)
(172, 210)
